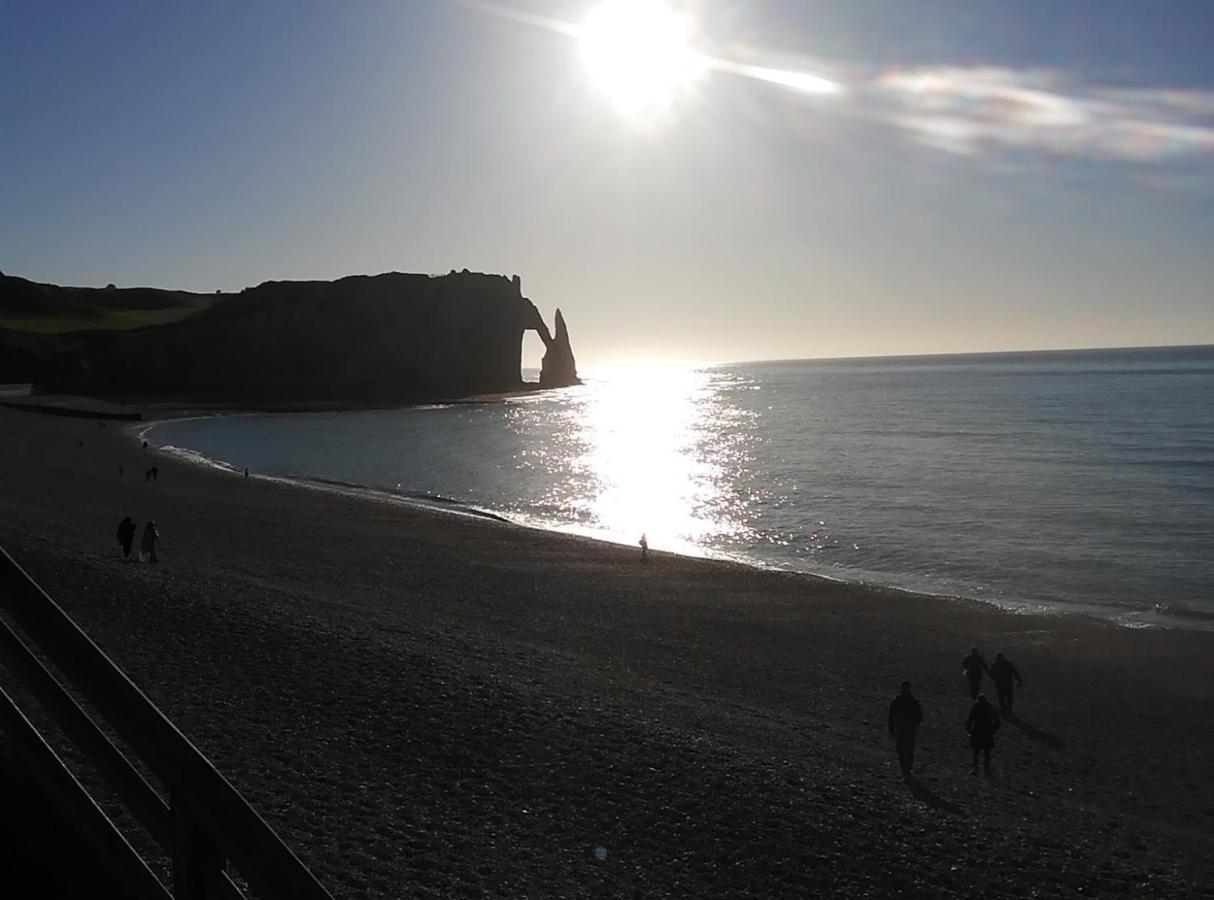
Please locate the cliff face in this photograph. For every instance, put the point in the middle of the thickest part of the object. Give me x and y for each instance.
(383, 338)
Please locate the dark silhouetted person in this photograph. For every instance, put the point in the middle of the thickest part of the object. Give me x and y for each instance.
(1003, 673)
(973, 666)
(982, 724)
(126, 536)
(644, 542)
(145, 445)
(905, 714)
(246, 472)
(149, 541)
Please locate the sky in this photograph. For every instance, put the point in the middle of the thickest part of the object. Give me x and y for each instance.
(779, 179)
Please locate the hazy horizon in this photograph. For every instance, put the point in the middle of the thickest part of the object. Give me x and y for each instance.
(686, 182)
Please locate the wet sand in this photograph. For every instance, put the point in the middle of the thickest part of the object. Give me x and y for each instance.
(430, 705)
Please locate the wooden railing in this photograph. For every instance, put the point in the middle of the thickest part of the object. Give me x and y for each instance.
(202, 825)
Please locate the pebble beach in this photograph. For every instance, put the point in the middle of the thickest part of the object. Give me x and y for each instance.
(427, 704)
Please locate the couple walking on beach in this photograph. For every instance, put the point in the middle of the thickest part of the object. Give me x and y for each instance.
(1002, 672)
(905, 716)
(147, 544)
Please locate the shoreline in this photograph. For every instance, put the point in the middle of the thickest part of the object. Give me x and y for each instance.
(1130, 618)
(430, 705)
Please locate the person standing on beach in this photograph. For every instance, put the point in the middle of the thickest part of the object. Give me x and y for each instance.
(126, 536)
(149, 541)
(905, 714)
(973, 666)
(982, 724)
(1003, 672)
(644, 542)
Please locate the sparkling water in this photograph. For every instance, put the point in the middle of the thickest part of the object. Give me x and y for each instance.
(1072, 481)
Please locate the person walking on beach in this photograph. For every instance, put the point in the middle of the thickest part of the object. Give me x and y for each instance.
(149, 541)
(973, 666)
(982, 724)
(126, 536)
(644, 542)
(905, 714)
(1003, 673)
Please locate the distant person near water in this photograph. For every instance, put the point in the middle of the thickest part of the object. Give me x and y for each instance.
(149, 542)
(126, 536)
(644, 542)
(982, 724)
(1003, 673)
(152, 474)
(973, 666)
(905, 714)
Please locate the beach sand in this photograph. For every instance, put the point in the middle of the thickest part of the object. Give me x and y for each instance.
(431, 705)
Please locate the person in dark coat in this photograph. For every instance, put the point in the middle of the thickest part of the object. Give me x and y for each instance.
(982, 724)
(905, 714)
(149, 541)
(1003, 673)
(126, 535)
(973, 666)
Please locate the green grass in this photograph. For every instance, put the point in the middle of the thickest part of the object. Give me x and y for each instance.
(108, 320)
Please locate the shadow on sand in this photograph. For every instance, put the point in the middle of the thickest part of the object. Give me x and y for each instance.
(1030, 730)
(925, 796)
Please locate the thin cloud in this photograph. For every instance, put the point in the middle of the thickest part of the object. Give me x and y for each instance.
(972, 110)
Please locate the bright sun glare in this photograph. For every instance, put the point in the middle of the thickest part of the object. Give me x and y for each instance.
(639, 53)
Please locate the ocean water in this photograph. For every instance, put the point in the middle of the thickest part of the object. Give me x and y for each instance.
(1065, 481)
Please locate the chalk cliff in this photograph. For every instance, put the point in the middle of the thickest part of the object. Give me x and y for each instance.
(558, 368)
(363, 339)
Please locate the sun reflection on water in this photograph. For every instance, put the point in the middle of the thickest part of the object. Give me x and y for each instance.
(651, 455)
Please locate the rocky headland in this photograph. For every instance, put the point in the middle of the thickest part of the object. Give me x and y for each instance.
(357, 340)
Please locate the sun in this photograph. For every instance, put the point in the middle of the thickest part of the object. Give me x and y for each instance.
(640, 54)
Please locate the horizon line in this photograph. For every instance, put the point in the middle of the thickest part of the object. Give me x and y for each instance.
(959, 353)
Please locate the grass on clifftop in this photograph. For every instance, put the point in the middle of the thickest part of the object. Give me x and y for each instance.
(107, 320)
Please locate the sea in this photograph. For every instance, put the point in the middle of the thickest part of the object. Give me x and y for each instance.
(1066, 482)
